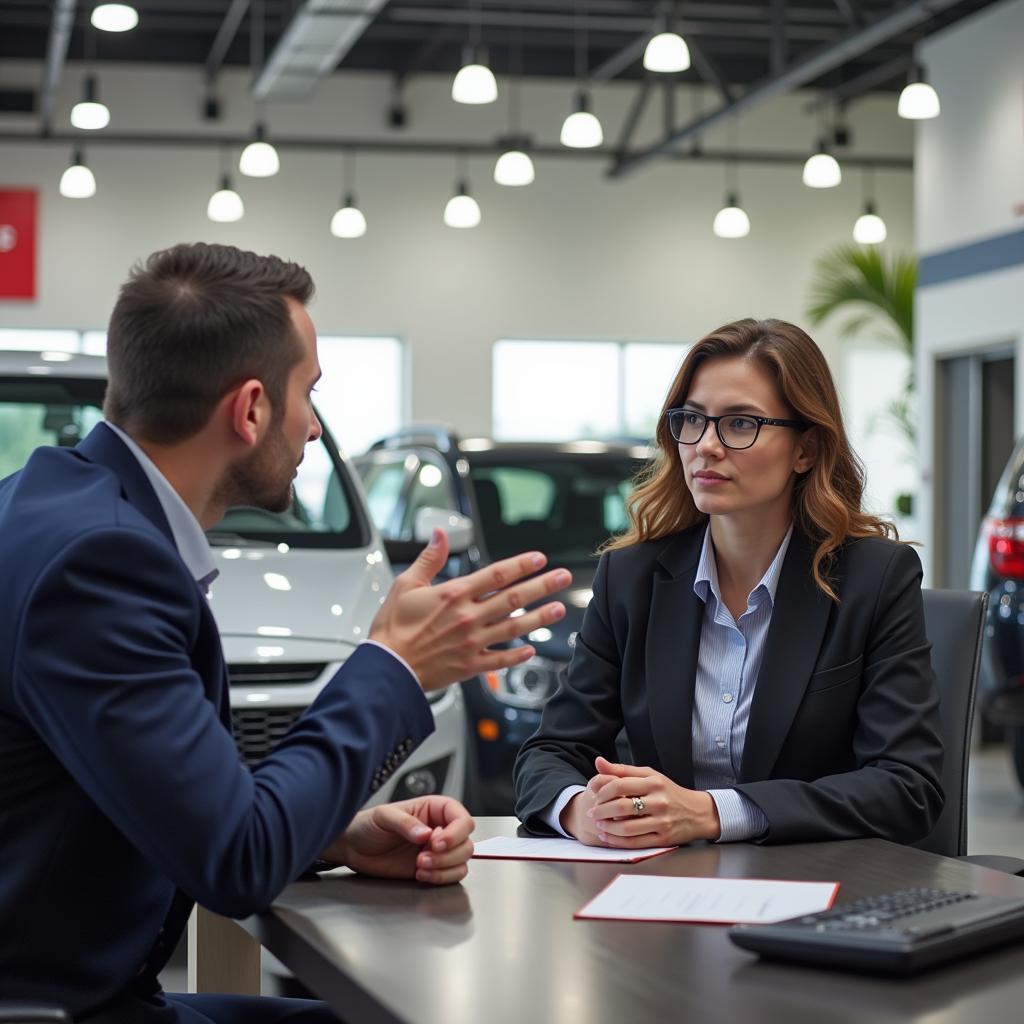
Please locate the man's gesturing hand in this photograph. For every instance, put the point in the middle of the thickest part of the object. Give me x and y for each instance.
(445, 632)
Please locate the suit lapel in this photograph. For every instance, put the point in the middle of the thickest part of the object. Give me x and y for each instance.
(673, 639)
(798, 623)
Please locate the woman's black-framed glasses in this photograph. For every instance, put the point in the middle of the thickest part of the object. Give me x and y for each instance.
(735, 429)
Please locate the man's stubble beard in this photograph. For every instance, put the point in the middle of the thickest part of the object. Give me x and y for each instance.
(263, 479)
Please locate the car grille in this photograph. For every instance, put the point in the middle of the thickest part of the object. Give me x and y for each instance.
(276, 674)
(259, 730)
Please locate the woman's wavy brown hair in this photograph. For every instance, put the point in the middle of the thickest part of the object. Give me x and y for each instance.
(826, 499)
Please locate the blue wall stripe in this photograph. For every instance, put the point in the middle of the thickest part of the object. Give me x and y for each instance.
(978, 258)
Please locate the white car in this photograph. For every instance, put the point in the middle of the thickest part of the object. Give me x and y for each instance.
(297, 590)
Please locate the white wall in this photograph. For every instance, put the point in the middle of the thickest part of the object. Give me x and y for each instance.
(574, 255)
(969, 184)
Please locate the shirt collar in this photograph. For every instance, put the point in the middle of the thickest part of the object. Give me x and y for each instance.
(707, 570)
(188, 535)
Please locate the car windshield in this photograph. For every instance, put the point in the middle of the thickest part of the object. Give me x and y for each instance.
(565, 504)
(35, 412)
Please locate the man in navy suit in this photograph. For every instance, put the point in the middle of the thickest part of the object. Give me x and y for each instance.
(123, 798)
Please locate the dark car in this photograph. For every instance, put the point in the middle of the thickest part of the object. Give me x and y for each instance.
(498, 499)
(998, 568)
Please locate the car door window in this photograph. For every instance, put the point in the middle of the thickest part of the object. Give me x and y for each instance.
(383, 480)
(431, 487)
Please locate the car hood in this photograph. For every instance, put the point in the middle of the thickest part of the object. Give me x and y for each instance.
(317, 594)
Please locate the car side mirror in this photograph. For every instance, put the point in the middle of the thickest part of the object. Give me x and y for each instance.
(458, 527)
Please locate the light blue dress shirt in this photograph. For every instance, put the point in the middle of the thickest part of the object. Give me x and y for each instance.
(728, 663)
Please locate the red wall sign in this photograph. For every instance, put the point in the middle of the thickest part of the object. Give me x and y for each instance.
(18, 243)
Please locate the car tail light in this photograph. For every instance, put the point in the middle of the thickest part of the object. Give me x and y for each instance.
(1006, 546)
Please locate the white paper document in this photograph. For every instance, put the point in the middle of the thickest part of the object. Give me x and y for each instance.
(514, 848)
(708, 900)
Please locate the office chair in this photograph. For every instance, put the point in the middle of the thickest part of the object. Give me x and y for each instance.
(955, 625)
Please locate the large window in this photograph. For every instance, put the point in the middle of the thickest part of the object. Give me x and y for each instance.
(567, 390)
(360, 395)
(873, 379)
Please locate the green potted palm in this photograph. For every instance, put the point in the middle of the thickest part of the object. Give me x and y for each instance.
(877, 291)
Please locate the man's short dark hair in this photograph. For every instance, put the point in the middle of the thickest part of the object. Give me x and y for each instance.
(191, 323)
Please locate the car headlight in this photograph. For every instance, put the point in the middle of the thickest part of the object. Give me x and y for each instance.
(528, 685)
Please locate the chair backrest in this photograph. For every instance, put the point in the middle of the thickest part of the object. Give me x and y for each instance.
(954, 621)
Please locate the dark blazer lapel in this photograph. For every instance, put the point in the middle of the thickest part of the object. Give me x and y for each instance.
(791, 650)
(104, 447)
(673, 639)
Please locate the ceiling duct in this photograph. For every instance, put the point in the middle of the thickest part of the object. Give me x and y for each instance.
(314, 43)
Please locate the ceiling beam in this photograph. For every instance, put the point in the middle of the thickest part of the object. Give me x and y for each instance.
(438, 147)
(812, 67)
(61, 23)
(225, 37)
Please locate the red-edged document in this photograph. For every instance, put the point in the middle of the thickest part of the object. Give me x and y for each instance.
(707, 900)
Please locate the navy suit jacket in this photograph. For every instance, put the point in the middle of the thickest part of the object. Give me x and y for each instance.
(843, 737)
(123, 798)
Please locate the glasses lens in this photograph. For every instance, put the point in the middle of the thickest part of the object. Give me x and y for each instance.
(687, 426)
(738, 431)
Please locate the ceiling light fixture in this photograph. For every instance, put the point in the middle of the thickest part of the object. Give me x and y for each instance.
(225, 205)
(731, 221)
(475, 83)
(348, 220)
(514, 167)
(581, 129)
(870, 228)
(666, 51)
(77, 181)
(114, 17)
(462, 210)
(918, 101)
(259, 159)
(89, 114)
(822, 170)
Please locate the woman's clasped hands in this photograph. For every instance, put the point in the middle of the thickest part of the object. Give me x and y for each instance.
(630, 807)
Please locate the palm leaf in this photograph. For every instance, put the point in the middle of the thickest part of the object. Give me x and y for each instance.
(877, 289)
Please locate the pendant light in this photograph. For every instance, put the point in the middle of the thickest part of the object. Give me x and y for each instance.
(666, 51)
(514, 167)
(822, 170)
(225, 205)
(77, 181)
(114, 17)
(259, 159)
(88, 113)
(870, 228)
(918, 101)
(731, 221)
(475, 83)
(348, 220)
(462, 210)
(581, 129)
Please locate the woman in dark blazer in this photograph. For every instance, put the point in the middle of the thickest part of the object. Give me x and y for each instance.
(758, 637)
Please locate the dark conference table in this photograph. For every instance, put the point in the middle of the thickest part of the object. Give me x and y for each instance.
(503, 948)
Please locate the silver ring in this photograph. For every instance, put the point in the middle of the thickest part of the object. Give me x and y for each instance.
(638, 805)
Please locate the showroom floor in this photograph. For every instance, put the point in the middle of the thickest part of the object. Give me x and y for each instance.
(995, 810)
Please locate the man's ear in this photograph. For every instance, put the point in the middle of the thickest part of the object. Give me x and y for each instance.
(807, 451)
(248, 410)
